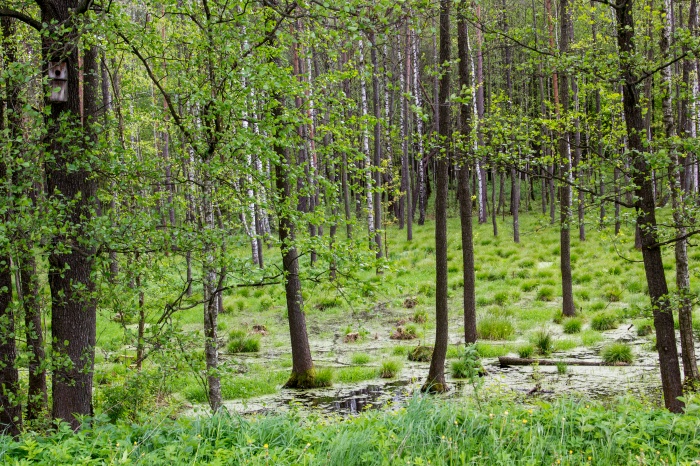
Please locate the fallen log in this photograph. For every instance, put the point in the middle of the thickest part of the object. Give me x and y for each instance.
(506, 361)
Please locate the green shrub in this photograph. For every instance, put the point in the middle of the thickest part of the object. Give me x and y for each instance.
(558, 317)
(389, 369)
(468, 366)
(400, 350)
(494, 328)
(617, 353)
(360, 358)
(604, 321)
(572, 325)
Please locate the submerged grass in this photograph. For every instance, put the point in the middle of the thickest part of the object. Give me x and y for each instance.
(497, 432)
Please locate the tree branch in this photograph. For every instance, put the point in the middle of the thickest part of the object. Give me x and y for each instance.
(26, 19)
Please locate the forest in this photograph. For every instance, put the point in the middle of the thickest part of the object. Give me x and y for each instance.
(372, 232)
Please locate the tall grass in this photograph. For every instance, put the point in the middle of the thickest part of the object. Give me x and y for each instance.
(444, 433)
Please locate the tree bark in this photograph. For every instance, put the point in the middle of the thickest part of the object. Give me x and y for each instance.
(646, 215)
(303, 374)
(436, 375)
(73, 306)
(465, 195)
(568, 308)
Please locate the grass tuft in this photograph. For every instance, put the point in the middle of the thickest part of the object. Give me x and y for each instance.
(617, 353)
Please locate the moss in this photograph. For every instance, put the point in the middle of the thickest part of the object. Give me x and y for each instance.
(306, 379)
(421, 354)
(434, 386)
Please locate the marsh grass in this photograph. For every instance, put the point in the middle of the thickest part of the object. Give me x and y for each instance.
(565, 431)
(390, 369)
(617, 353)
(604, 321)
(494, 328)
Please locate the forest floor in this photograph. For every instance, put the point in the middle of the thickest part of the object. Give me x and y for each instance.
(351, 324)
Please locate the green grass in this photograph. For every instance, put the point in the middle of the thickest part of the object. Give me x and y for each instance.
(526, 351)
(572, 325)
(489, 350)
(240, 342)
(543, 341)
(590, 338)
(604, 321)
(617, 353)
(360, 358)
(565, 431)
(390, 368)
(354, 374)
(494, 328)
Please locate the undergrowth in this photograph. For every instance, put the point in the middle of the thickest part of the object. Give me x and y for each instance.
(425, 431)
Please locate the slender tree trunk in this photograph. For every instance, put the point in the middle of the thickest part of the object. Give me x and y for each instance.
(483, 188)
(303, 374)
(465, 196)
(406, 198)
(436, 375)
(418, 101)
(377, 148)
(568, 308)
(646, 215)
(369, 179)
(685, 304)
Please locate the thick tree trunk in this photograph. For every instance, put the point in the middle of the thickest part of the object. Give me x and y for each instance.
(435, 381)
(73, 310)
(646, 216)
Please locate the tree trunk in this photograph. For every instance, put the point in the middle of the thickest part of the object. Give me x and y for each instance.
(465, 196)
(568, 308)
(73, 306)
(646, 216)
(377, 165)
(436, 375)
(303, 374)
(685, 304)
(418, 101)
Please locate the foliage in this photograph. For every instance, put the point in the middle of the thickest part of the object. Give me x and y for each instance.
(573, 431)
